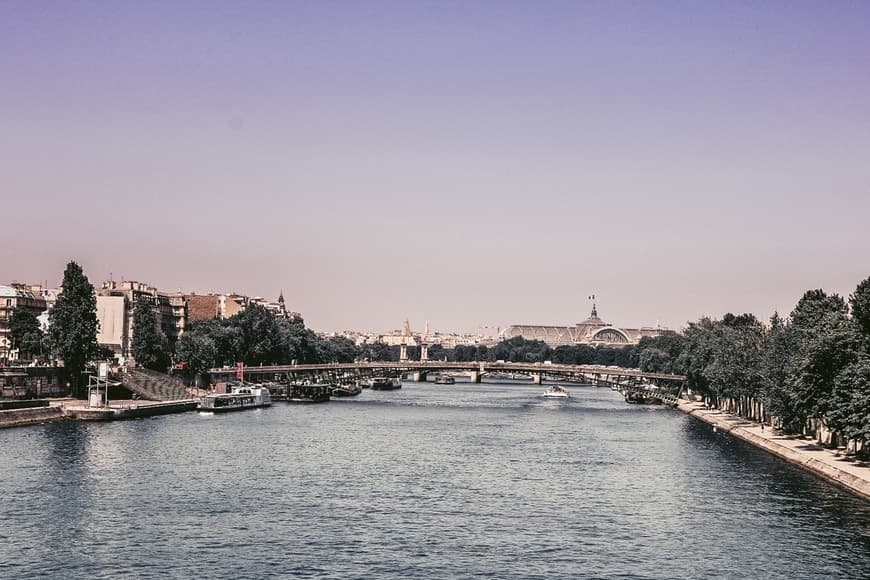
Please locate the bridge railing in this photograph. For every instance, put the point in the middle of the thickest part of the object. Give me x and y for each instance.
(478, 366)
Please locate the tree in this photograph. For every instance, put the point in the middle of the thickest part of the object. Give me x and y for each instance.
(697, 354)
(816, 308)
(667, 349)
(25, 333)
(337, 349)
(778, 373)
(574, 354)
(860, 303)
(626, 356)
(734, 370)
(298, 343)
(825, 343)
(655, 360)
(516, 349)
(379, 352)
(197, 351)
(849, 413)
(227, 341)
(149, 345)
(438, 352)
(261, 340)
(74, 323)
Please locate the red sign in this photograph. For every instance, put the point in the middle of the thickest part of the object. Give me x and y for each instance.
(240, 370)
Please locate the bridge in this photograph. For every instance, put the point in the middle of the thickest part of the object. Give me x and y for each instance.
(636, 385)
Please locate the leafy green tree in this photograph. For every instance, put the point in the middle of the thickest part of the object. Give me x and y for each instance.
(438, 352)
(228, 343)
(574, 354)
(74, 323)
(849, 409)
(697, 354)
(379, 352)
(666, 350)
(149, 345)
(261, 340)
(337, 349)
(519, 349)
(825, 343)
(816, 309)
(625, 356)
(860, 303)
(25, 333)
(605, 356)
(464, 353)
(778, 374)
(299, 343)
(735, 367)
(197, 351)
(655, 360)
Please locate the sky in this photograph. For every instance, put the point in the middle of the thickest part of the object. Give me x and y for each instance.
(471, 164)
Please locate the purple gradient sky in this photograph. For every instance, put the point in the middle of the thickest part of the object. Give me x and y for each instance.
(468, 163)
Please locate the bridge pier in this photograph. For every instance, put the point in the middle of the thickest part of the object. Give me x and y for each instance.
(419, 376)
(537, 378)
(403, 352)
(424, 352)
(474, 376)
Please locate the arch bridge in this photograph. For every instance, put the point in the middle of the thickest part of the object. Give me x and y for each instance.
(634, 384)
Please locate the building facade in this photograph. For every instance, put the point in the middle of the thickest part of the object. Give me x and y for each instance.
(116, 303)
(12, 298)
(592, 331)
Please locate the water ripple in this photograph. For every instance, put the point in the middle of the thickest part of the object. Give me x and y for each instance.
(468, 481)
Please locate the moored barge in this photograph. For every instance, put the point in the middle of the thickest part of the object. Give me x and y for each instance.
(241, 397)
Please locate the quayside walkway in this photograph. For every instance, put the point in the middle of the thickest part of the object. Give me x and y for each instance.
(831, 464)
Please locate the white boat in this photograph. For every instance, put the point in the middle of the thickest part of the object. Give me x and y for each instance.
(443, 379)
(556, 392)
(241, 397)
(348, 390)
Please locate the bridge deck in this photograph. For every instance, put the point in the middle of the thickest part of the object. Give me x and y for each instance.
(480, 367)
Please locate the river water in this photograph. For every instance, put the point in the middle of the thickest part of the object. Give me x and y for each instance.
(487, 480)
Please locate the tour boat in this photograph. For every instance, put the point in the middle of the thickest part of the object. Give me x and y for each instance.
(241, 397)
(385, 384)
(309, 393)
(556, 392)
(443, 379)
(346, 390)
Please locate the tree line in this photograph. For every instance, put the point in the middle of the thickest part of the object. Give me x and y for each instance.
(519, 349)
(809, 370)
(255, 336)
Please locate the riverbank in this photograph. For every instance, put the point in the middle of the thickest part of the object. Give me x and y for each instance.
(72, 409)
(831, 464)
(31, 416)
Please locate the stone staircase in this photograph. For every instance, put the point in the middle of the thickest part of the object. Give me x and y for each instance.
(155, 386)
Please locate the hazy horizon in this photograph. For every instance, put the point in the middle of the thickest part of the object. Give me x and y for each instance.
(470, 164)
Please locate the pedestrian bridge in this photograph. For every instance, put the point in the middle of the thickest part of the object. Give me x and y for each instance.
(664, 386)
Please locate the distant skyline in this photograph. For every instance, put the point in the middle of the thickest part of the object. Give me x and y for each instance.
(467, 163)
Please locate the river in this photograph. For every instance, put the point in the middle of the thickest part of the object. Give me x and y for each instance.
(488, 480)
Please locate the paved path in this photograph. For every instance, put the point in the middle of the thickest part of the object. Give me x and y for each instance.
(828, 463)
